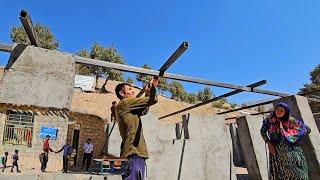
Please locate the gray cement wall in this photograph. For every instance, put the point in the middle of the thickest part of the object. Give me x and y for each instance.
(317, 119)
(238, 159)
(311, 144)
(253, 146)
(206, 153)
(39, 77)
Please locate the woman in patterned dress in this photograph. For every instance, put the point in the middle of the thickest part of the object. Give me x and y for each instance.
(282, 133)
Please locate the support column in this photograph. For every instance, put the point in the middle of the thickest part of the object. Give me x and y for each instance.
(253, 146)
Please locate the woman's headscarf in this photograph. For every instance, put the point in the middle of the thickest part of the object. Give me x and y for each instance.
(292, 130)
(287, 111)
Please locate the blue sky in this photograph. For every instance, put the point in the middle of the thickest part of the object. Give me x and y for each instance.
(231, 41)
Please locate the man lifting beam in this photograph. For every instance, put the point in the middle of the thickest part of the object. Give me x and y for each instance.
(128, 113)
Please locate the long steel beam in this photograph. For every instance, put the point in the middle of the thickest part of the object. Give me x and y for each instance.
(183, 47)
(260, 104)
(28, 27)
(5, 47)
(133, 69)
(259, 83)
(246, 107)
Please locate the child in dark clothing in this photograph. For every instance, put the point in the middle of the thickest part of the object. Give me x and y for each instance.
(4, 160)
(15, 158)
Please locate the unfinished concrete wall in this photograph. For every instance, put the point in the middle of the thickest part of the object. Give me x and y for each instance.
(238, 159)
(253, 146)
(311, 144)
(317, 119)
(29, 156)
(206, 154)
(38, 77)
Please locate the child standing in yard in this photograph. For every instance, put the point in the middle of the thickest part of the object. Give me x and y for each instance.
(4, 160)
(15, 158)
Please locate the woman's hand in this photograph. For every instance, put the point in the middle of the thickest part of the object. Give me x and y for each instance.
(271, 148)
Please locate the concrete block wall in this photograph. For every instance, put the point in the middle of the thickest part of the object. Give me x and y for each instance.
(236, 147)
(206, 153)
(253, 146)
(38, 77)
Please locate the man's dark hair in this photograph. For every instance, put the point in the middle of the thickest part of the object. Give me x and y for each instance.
(114, 102)
(47, 136)
(119, 88)
(16, 151)
(89, 139)
(6, 153)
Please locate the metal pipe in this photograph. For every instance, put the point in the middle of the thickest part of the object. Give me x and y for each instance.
(258, 113)
(183, 47)
(5, 47)
(246, 107)
(132, 69)
(28, 27)
(259, 83)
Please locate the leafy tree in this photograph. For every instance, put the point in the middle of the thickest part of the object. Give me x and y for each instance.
(45, 37)
(312, 89)
(233, 105)
(144, 79)
(176, 90)
(191, 98)
(81, 68)
(220, 103)
(108, 54)
(204, 95)
(163, 85)
(130, 80)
